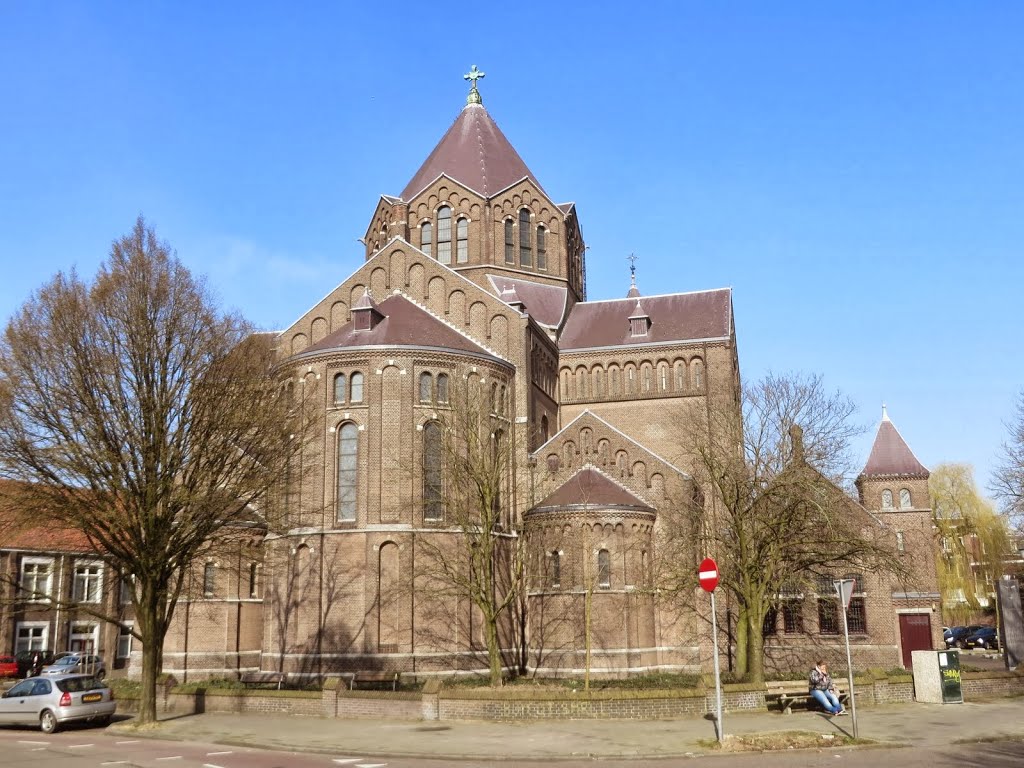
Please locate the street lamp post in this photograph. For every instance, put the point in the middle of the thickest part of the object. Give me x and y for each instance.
(844, 589)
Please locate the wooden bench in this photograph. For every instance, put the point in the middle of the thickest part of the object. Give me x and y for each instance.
(790, 692)
(262, 678)
(375, 677)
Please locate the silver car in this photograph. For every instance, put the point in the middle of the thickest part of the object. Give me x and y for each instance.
(54, 700)
(77, 663)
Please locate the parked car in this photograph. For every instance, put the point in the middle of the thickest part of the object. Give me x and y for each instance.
(24, 659)
(957, 635)
(54, 700)
(8, 666)
(77, 663)
(986, 637)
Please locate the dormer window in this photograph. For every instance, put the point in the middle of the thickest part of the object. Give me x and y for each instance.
(444, 234)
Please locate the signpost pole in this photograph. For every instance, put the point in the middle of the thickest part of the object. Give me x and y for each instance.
(707, 577)
(718, 676)
(844, 588)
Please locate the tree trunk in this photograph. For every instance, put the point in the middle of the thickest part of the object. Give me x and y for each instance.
(755, 647)
(493, 651)
(742, 633)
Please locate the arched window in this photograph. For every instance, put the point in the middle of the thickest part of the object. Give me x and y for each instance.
(503, 400)
(510, 242)
(254, 585)
(339, 388)
(499, 465)
(886, 499)
(544, 428)
(556, 568)
(433, 480)
(427, 237)
(598, 382)
(680, 376)
(604, 569)
(348, 450)
(630, 380)
(426, 387)
(494, 398)
(444, 234)
(462, 241)
(698, 373)
(905, 498)
(663, 377)
(613, 381)
(646, 372)
(542, 251)
(442, 387)
(355, 388)
(525, 251)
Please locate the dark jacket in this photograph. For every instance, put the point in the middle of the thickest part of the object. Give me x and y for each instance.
(821, 681)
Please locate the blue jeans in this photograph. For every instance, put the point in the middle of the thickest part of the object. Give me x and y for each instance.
(828, 700)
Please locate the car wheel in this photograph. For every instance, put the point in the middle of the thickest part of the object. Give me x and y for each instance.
(47, 721)
(103, 722)
(101, 674)
(961, 645)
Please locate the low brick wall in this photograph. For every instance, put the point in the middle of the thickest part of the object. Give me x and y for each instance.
(438, 703)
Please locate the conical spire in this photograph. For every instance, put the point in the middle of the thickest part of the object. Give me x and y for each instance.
(890, 454)
(473, 152)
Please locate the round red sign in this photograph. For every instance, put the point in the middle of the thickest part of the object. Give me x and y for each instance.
(707, 575)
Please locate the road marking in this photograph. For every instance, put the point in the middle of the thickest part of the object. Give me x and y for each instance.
(44, 743)
(214, 754)
(370, 765)
(79, 746)
(133, 741)
(344, 760)
(115, 762)
(211, 765)
(172, 757)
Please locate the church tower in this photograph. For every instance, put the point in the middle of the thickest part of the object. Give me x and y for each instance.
(894, 486)
(476, 207)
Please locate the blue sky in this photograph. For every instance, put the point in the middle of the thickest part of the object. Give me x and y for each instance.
(854, 171)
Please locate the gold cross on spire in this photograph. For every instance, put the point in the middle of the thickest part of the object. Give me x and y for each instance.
(473, 75)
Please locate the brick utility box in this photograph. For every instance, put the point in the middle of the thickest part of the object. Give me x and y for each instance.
(937, 677)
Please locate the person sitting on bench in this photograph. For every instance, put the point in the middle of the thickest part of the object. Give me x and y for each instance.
(824, 690)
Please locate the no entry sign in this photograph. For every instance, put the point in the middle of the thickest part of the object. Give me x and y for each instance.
(707, 575)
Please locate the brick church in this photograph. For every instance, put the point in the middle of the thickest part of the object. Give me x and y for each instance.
(475, 277)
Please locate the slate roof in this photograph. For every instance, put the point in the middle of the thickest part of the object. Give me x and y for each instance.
(545, 303)
(404, 325)
(591, 487)
(673, 317)
(890, 454)
(475, 153)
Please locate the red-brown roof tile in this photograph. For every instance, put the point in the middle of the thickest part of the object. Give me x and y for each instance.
(593, 488)
(545, 303)
(475, 153)
(405, 324)
(890, 454)
(673, 317)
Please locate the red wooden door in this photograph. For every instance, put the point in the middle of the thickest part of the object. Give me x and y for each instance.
(915, 635)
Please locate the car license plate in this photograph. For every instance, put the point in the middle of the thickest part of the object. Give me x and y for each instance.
(89, 698)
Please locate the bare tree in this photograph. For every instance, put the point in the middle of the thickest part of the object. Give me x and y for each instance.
(138, 413)
(475, 554)
(1008, 480)
(772, 511)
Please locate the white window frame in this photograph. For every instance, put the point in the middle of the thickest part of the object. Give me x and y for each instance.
(91, 636)
(81, 570)
(44, 638)
(124, 635)
(32, 595)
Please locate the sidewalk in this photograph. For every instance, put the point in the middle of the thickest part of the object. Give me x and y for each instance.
(896, 724)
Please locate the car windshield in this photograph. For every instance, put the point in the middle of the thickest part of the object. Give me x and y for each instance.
(68, 660)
